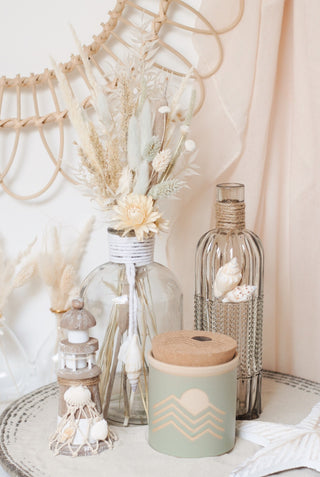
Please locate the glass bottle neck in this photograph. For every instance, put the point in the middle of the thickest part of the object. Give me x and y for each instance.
(230, 206)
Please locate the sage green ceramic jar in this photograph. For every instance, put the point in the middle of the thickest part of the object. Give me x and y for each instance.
(192, 409)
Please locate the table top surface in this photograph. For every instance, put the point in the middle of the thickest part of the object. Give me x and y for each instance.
(25, 427)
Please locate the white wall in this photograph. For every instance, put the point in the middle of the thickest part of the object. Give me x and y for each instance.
(30, 32)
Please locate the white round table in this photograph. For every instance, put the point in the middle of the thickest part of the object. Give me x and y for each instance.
(25, 427)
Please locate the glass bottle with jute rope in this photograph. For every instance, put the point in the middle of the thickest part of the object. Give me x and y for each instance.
(133, 299)
(46, 362)
(229, 291)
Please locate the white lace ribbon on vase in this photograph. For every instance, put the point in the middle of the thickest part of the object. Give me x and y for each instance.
(132, 253)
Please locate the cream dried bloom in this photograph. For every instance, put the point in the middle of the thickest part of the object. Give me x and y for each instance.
(136, 212)
(161, 161)
(184, 129)
(164, 109)
(190, 145)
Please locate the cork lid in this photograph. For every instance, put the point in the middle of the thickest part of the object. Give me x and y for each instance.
(193, 348)
(77, 318)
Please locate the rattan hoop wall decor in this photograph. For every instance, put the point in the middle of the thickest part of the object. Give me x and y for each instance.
(120, 19)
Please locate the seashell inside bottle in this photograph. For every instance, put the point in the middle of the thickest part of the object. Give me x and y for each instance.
(229, 291)
(227, 278)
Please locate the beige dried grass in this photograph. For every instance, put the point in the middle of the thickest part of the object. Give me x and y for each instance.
(15, 273)
(58, 266)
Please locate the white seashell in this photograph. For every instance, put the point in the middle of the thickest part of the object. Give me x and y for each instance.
(66, 434)
(99, 431)
(77, 396)
(133, 362)
(133, 378)
(239, 294)
(227, 278)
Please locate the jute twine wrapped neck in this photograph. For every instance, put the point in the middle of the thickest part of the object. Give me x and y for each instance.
(230, 215)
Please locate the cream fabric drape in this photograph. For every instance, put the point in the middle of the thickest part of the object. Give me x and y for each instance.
(259, 125)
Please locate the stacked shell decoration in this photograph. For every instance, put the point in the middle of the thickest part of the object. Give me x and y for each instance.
(81, 428)
(226, 284)
(82, 425)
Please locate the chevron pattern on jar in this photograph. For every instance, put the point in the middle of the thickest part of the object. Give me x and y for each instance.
(192, 415)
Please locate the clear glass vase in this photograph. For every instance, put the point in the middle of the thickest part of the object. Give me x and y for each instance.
(108, 292)
(15, 368)
(229, 291)
(46, 362)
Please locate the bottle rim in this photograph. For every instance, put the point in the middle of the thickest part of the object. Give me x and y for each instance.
(230, 185)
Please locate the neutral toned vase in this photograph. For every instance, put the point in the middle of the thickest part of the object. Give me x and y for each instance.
(15, 369)
(130, 296)
(229, 291)
(46, 362)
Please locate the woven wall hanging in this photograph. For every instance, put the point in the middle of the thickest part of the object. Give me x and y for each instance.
(104, 46)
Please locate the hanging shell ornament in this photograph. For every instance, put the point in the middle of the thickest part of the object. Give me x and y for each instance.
(82, 427)
(133, 362)
(227, 278)
(239, 294)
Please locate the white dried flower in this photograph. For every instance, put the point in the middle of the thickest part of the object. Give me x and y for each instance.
(184, 129)
(164, 109)
(152, 148)
(166, 189)
(190, 145)
(136, 212)
(161, 160)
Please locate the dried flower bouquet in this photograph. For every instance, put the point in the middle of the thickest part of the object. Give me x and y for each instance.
(58, 268)
(139, 151)
(136, 153)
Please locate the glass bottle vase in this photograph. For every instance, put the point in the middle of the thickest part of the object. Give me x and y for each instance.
(46, 361)
(15, 368)
(130, 282)
(229, 291)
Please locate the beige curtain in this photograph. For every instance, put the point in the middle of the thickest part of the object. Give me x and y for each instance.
(260, 125)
